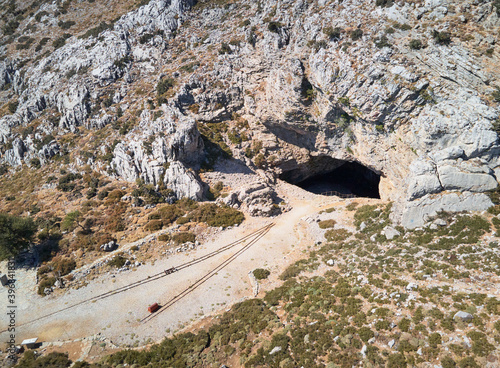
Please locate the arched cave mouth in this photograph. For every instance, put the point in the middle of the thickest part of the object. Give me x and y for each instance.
(347, 178)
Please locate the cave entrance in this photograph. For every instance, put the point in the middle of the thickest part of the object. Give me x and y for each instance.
(347, 178)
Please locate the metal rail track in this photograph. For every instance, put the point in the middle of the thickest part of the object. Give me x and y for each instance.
(250, 237)
(207, 276)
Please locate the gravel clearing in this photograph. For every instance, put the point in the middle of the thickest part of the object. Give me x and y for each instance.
(117, 318)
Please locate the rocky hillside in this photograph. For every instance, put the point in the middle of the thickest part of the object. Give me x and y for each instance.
(164, 91)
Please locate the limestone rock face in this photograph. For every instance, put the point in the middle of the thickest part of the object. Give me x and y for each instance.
(15, 155)
(310, 101)
(418, 212)
(159, 150)
(183, 182)
(258, 199)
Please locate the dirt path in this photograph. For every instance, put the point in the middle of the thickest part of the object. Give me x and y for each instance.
(118, 316)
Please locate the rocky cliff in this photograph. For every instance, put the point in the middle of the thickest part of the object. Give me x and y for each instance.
(292, 87)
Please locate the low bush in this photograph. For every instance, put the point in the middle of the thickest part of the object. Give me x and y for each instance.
(326, 224)
(291, 271)
(224, 49)
(154, 225)
(274, 27)
(448, 362)
(117, 261)
(63, 266)
(164, 237)
(365, 334)
(332, 33)
(66, 25)
(261, 273)
(441, 38)
(12, 106)
(183, 237)
(94, 32)
(415, 44)
(45, 283)
(337, 235)
(216, 216)
(61, 41)
(51, 360)
(356, 34)
(66, 182)
(382, 42)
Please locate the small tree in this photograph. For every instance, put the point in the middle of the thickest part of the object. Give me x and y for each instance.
(15, 234)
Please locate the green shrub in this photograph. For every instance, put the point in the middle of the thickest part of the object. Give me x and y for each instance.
(274, 27)
(51, 360)
(496, 97)
(415, 44)
(496, 4)
(66, 182)
(384, 3)
(396, 361)
(71, 221)
(145, 38)
(164, 237)
(441, 38)
(356, 34)
(162, 87)
(12, 106)
(60, 41)
(291, 271)
(45, 283)
(94, 32)
(42, 43)
(327, 224)
(224, 49)
(332, 33)
(117, 261)
(404, 325)
(468, 362)
(434, 339)
(261, 273)
(382, 42)
(63, 266)
(154, 225)
(66, 25)
(35, 163)
(103, 194)
(365, 334)
(120, 64)
(448, 362)
(480, 345)
(41, 14)
(337, 235)
(216, 216)
(183, 237)
(10, 27)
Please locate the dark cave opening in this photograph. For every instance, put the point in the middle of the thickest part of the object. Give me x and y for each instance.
(348, 178)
